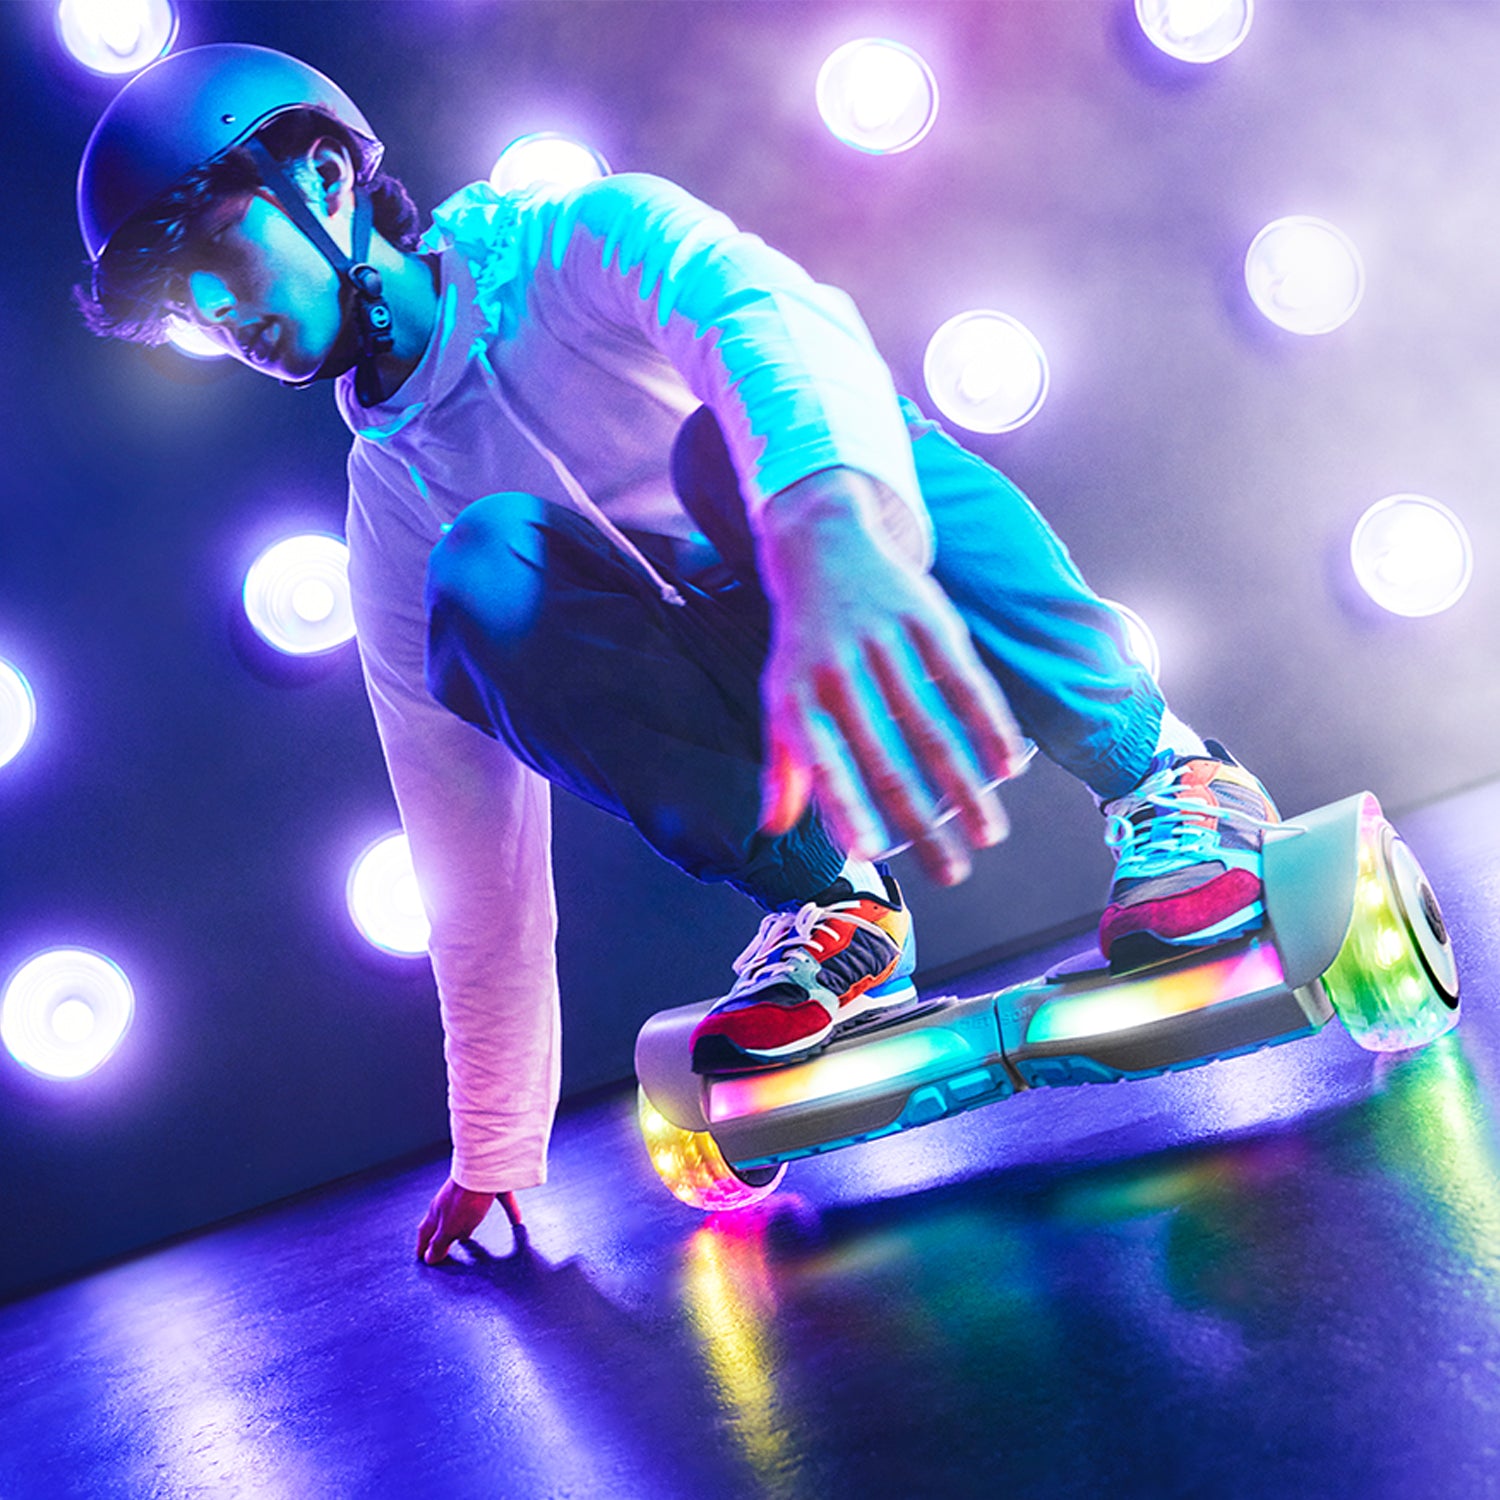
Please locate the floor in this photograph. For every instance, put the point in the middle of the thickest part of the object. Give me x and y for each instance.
(1277, 1276)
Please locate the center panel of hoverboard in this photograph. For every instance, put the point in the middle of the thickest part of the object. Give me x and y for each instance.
(1084, 1026)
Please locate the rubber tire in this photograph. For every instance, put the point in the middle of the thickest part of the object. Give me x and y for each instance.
(690, 1163)
(1394, 984)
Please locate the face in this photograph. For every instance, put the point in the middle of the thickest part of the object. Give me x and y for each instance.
(255, 283)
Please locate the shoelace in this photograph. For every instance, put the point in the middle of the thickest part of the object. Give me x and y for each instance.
(1187, 837)
(793, 932)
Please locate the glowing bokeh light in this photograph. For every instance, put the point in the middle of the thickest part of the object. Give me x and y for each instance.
(1195, 31)
(64, 1012)
(1304, 274)
(385, 900)
(546, 159)
(116, 36)
(986, 371)
(1139, 641)
(1411, 555)
(17, 712)
(297, 595)
(877, 96)
(187, 338)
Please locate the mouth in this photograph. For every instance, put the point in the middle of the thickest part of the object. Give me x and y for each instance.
(258, 340)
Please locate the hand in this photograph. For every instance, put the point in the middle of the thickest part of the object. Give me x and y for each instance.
(873, 695)
(454, 1214)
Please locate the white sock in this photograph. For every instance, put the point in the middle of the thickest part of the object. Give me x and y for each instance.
(863, 876)
(1179, 738)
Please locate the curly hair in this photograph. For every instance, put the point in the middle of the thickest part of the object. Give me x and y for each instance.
(128, 294)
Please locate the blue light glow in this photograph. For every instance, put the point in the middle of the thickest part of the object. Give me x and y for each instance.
(1138, 638)
(1195, 31)
(1304, 274)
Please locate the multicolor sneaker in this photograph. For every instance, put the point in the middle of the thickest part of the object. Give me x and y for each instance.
(1187, 844)
(807, 975)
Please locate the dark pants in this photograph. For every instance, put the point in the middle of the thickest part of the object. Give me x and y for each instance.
(546, 636)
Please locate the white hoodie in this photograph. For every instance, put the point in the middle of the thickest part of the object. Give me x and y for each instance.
(574, 334)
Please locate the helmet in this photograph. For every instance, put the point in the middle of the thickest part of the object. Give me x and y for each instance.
(184, 111)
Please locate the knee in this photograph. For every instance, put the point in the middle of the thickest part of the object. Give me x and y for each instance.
(487, 567)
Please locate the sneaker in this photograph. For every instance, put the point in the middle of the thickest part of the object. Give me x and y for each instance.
(1187, 845)
(807, 975)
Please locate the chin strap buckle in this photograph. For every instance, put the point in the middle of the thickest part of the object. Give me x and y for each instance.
(376, 333)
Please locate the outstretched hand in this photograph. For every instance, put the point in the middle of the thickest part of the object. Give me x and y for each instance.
(454, 1214)
(874, 698)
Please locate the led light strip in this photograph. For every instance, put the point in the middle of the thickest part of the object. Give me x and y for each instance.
(838, 1073)
(1124, 1005)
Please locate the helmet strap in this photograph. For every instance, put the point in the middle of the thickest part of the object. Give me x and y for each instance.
(372, 313)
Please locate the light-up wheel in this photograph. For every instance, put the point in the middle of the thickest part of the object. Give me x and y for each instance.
(1394, 983)
(693, 1167)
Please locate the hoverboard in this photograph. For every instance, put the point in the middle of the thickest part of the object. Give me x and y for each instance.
(1352, 930)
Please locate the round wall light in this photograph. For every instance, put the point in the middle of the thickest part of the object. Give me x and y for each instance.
(116, 36)
(1196, 31)
(546, 159)
(1304, 274)
(64, 1012)
(385, 901)
(986, 371)
(1411, 555)
(189, 339)
(297, 594)
(877, 96)
(17, 712)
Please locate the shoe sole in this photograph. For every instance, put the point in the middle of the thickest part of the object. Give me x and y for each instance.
(1142, 949)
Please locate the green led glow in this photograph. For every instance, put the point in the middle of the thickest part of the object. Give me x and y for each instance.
(1378, 983)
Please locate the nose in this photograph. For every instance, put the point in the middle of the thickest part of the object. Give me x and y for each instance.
(211, 298)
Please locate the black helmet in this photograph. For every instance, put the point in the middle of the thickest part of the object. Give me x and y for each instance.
(184, 111)
(189, 109)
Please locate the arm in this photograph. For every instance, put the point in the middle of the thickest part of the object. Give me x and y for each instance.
(479, 827)
(873, 695)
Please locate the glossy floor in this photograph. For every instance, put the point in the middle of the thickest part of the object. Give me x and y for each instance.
(1278, 1276)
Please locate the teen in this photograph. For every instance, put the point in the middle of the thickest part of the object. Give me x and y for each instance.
(764, 611)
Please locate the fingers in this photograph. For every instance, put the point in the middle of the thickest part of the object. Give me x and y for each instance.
(887, 779)
(786, 785)
(975, 698)
(433, 1240)
(938, 747)
(882, 741)
(425, 1232)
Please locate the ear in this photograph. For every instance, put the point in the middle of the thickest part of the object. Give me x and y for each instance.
(328, 176)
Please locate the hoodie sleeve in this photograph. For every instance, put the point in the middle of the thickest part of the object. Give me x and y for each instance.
(479, 826)
(786, 363)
